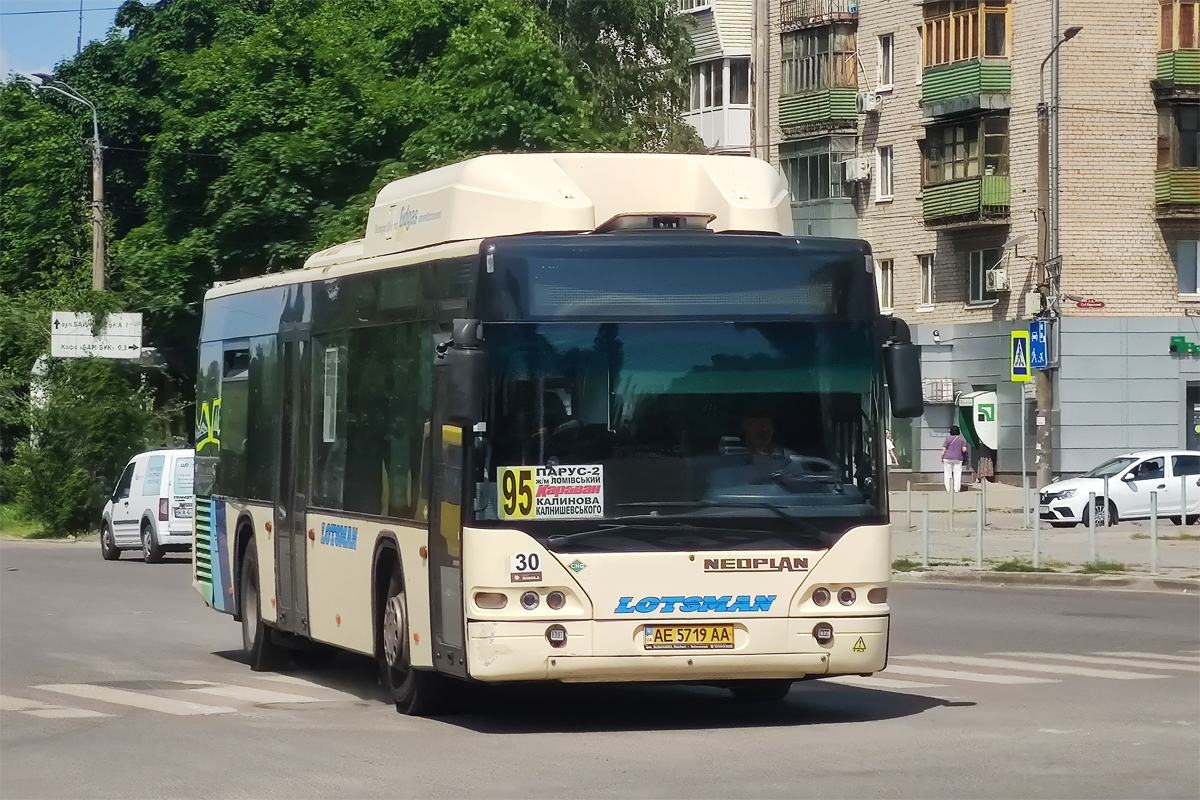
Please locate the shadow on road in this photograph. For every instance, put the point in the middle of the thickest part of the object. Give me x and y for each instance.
(588, 708)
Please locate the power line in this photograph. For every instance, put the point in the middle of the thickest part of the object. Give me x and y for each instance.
(56, 11)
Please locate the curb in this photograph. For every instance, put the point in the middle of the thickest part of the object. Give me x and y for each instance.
(1143, 583)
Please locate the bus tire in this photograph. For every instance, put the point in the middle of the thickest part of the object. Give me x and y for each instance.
(152, 551)
(108, 545)
(261, 653)
(761, 691)
(415, 692)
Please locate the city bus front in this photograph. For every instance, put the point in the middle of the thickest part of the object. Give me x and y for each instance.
(679, 471)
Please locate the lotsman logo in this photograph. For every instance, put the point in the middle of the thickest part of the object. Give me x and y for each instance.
(695, 604)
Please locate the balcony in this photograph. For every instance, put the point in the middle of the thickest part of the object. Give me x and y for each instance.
(1177, 192)
(724, 129)
(826, 109)
(796, 14)
(983, 200)
(966, 86)
(1178, 75)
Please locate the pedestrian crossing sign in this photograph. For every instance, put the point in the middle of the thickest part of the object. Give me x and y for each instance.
(1018, 353)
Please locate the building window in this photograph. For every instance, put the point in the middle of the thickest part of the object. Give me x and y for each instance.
(1179, 25)
(965, 29)
(926, 279)
(1179, 137)
(887, 60)
(739, 81)
(813, 169)
(693, 5)
(978, 263)
(883, 280)
(966, 150)
(883, 173)
(920, 54)
(1187, 266)
(819, 58)
(706, 85)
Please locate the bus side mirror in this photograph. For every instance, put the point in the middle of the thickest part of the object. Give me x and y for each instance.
(902, 364)
(464, 362)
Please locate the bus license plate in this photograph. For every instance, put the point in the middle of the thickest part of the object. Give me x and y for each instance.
(688, 637)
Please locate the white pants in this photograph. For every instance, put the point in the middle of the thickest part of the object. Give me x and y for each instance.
(952, 472)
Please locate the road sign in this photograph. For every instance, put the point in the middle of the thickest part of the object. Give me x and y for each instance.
(1018, 357)
(72, 336)
(1038, 355)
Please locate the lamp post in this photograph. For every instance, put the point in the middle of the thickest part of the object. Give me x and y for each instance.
(1048, 250)
(50, 82)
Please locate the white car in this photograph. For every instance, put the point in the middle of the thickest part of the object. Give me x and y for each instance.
(1172, 474)
(151, 507)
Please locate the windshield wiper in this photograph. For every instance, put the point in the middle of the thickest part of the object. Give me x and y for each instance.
(804, 525)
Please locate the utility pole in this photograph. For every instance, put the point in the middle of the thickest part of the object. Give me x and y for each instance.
(1048, 250)
(760, 81)
(50, 82)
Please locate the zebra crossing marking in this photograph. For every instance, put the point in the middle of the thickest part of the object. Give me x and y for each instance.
(962, 675)
(331, 694)
(1028, 666)
(36, 708)
(249, 694)
(1151, 656)
(1103, 660)
(124, 697)
(874, 682)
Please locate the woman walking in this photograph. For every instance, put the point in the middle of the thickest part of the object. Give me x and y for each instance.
(954, 452)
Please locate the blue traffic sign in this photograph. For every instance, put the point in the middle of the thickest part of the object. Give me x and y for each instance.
(1038, 354)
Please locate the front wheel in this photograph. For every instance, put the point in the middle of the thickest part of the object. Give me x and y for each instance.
(415, 692)
(762, 691)
(152, 551)
(260, 651)
(108, 545)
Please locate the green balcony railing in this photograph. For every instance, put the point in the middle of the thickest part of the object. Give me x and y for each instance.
(1179, 68)
(967, 85)
(810, 109)
(1177, 187)
(984, 198)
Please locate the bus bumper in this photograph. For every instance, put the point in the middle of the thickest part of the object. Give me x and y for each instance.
(609, 651)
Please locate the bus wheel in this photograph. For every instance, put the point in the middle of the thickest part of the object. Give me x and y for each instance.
(108, 545)
(261, 652)
(415, 692)
(761, 691)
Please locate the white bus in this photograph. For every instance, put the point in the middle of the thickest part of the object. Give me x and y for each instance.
(558, 417)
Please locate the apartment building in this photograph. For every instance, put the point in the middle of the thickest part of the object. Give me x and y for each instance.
(719, 97)
(915, 126)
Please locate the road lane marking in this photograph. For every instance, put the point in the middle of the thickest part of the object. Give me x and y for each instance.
(960, 675)
(880, 683)
(250, 694)
(294, 681)
(1112, 662)
(1027, 666)
(36, 708)
(148, 702)
(1151, 656)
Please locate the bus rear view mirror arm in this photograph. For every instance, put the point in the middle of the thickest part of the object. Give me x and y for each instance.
(466, 371)
(902, 363)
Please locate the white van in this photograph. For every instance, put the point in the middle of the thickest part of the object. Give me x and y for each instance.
(151, 507)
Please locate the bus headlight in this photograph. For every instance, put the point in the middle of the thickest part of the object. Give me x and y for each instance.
(556, 600)
(530, 600)
(846, 596)
(878, 595)
(821, 596)
(491, 600)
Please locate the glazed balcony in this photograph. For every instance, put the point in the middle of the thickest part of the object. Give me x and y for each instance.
(1177, 192)
(982, 200)
(826, 109)
(966, 86)
(1178, 75)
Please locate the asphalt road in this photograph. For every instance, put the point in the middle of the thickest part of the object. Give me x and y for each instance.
(95, 658)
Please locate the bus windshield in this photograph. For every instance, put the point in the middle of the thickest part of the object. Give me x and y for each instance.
(773, 425)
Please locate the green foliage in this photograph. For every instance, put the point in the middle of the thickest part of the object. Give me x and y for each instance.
(1018, 565)
(1101, 567)
(905, 565)
(242, 135)
(96, 415)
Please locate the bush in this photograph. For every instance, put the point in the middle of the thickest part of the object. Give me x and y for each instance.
(95, 415)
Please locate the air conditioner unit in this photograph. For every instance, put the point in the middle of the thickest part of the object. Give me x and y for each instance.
(869, 103)
(858, 169)
(938, 390)
(995, 280)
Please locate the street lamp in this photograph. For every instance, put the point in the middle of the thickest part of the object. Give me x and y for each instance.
(50, 82)
(1048, 249)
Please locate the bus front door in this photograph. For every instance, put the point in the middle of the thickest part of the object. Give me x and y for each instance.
(291, 545)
